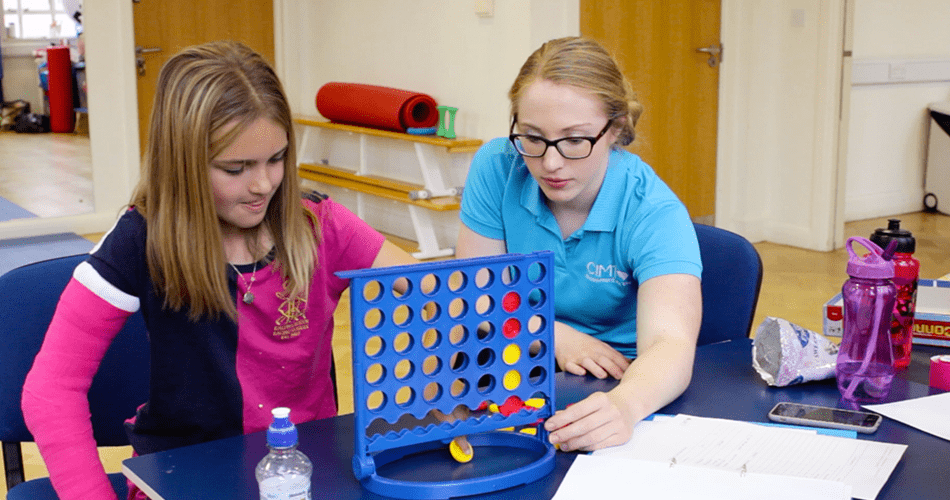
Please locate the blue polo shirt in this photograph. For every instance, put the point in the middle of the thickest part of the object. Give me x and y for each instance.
(637, 229)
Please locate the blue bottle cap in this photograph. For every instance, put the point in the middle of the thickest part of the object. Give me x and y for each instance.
(282, 433)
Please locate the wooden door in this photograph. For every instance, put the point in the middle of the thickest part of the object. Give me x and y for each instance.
(164, 27)
(656, 44)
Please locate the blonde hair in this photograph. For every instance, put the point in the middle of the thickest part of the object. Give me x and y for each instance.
(585, 64)
(201, 91)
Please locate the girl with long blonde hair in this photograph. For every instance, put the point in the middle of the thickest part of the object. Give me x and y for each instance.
(232, 268)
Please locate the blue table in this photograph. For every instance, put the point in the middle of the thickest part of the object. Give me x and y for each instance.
(724, 386)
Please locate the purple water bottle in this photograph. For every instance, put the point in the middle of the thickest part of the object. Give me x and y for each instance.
(865, 366)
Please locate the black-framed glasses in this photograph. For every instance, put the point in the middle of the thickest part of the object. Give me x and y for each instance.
(572, 148)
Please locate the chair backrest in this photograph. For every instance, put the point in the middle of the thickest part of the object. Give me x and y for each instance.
(732, 279)
(28, 298)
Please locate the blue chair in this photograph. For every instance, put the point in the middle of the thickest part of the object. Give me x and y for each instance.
(28, 297)
(732, 279)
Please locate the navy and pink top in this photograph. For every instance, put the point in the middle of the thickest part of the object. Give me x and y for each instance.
(209, 379)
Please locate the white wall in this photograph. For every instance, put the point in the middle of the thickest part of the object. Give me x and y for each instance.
(779, 98)
(437, 47)
(889, 122)
(441, 48)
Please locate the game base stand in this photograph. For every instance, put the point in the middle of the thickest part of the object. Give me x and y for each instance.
(431, 338)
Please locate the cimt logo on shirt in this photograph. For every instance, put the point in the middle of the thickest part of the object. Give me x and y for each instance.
(599, 273)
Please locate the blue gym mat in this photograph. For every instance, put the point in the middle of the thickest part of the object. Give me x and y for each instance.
(18, 252)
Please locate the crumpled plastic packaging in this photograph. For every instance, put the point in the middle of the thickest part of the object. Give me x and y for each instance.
(785, 354)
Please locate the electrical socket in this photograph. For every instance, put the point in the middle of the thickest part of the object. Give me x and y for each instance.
(485, 8)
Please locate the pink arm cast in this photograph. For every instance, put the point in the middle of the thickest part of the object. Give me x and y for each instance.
(55, 404)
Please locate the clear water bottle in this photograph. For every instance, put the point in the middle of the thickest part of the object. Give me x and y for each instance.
(865, 365)
(906, 276)
(284, 474)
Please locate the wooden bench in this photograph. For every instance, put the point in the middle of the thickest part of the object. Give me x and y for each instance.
(377, 186)
(428, 160)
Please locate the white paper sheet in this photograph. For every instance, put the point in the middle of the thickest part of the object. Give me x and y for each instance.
(617, 477)
(928, 413)
(740, 446)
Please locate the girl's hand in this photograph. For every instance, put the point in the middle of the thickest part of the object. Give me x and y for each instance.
(579, 353)
(599, 421)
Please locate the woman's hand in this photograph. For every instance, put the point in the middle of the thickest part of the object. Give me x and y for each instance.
(600, 420)
(669, 312)
(580, 353)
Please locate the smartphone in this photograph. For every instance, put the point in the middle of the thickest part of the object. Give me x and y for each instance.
(821, 416)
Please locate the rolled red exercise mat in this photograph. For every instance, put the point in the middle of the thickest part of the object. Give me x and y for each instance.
(62, 117)
(377, 107)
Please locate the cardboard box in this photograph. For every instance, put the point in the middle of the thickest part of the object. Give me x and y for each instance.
(931, 317)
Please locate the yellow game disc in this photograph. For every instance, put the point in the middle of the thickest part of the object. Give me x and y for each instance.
(534, 402)
(511, 354)
(458, 454)
(512, 380)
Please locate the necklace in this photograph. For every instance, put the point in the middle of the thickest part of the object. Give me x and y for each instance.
(248, 296)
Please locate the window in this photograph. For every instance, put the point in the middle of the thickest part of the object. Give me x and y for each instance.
(31, 19)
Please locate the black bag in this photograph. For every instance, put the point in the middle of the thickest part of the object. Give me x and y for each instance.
(11, 111)
(32, 123)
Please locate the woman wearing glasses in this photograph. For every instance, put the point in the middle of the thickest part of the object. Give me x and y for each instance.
(627, 261)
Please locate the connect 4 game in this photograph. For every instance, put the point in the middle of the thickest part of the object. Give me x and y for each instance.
(453, 348)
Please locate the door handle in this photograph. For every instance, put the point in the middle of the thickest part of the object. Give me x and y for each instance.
(715, 54)
(139, 60)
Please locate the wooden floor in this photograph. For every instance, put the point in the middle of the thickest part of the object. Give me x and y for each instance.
(49, 174)
(797, 282)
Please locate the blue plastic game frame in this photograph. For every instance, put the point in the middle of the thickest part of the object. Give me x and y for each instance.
(436, 335)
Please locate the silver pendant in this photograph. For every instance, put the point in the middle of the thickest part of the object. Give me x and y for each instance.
(248, 297)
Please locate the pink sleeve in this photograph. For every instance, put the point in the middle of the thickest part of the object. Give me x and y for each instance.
(349, 240)
(55, 404)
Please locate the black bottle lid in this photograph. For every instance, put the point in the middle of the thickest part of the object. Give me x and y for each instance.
(905, 240)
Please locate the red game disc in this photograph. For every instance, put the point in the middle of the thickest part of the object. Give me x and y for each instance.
(511, 328)
(511, 302)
